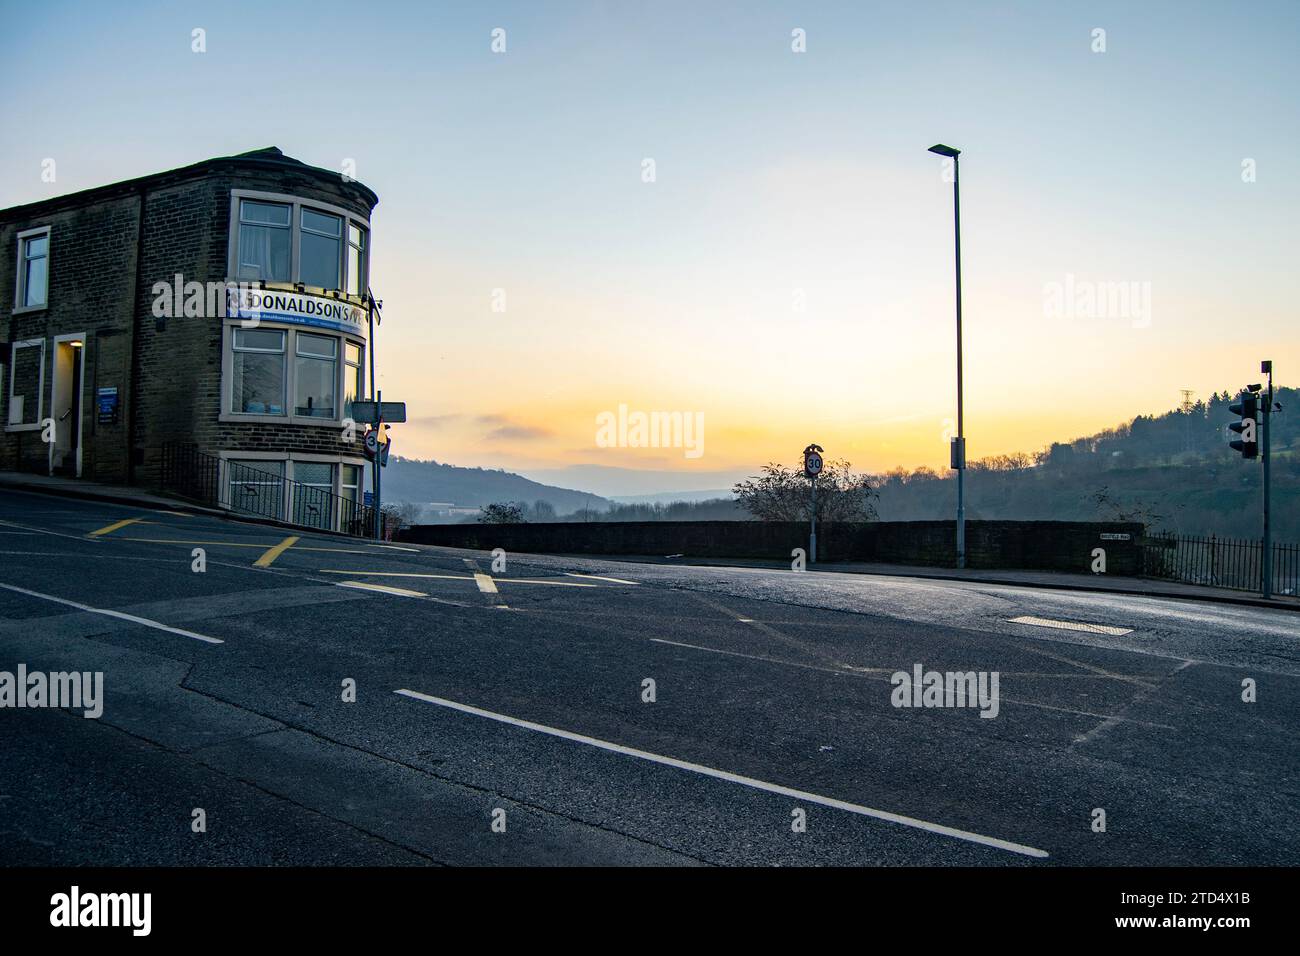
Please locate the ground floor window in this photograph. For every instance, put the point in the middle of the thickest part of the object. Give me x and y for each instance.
(313, 494)
(256, 487)
(26, 382)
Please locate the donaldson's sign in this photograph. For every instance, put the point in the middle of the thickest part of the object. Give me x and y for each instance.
(269, 305)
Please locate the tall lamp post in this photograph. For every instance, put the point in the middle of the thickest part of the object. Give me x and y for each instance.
(958, 451)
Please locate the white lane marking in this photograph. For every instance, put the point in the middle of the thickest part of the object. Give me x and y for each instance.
(380, 588)
(56, 534)
(597, 577)
(484, 583)
(1071, 625)
(120, 615)
(457, 577)
(735, 777)
(393, 547)
(745, 620)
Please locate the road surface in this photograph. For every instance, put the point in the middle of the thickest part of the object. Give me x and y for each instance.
(504, 716)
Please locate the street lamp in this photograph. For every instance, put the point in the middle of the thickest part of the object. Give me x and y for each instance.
(958, 453)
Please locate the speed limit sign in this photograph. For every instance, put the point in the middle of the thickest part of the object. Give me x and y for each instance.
(371, 441)
(812, 461)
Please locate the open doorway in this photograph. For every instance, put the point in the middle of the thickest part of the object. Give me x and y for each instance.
(65, 404)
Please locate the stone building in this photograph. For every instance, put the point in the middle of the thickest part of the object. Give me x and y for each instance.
(217, 312)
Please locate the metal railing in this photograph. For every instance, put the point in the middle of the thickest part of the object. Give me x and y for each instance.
(214, 481)
(1234, 563)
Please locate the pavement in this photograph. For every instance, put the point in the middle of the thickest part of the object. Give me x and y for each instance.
(276, 697)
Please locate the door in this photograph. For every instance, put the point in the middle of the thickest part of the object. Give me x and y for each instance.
(65, 405)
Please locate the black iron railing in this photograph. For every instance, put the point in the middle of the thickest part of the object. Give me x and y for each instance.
(1219, 562)
(263, 492)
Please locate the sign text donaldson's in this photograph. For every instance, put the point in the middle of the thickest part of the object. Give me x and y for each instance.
(270, 305)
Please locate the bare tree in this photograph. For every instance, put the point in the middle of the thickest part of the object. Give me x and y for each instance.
(784, 494)
(501, 512)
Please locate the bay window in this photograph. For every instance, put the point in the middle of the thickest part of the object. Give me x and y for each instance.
(286, 240)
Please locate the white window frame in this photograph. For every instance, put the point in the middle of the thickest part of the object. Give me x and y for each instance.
(290, 375)
(40, 386)
(296, 204)
(287, 460)
(20, 273)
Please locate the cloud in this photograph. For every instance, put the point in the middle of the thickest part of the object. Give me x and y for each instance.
(435, 421)
(518, 433)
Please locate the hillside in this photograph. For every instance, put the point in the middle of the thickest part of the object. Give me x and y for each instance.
(420, 482)
(1173, 471)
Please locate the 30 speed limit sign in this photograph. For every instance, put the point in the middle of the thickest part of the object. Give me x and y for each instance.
(812, 464)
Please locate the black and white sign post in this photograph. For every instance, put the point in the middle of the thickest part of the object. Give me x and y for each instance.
(812, 467)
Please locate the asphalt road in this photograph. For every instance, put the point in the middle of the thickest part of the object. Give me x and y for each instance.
(517, 696)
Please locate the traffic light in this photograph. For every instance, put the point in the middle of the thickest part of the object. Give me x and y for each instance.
(1247, 407)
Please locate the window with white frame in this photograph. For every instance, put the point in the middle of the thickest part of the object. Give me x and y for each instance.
(320, 249)
(291, 373)
(313, 502)
(352, 376)
(32, 283)
(265, 240)
(287, 240)
(315, 375)
(26, 382)
(356, 265)
(257, 369)
(256, 487)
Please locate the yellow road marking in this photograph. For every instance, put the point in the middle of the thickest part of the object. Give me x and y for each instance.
(381, 588)
(401, 574)
(597, 577)
(109, 529)
(271, 554)
(485, 584)
(459, 577)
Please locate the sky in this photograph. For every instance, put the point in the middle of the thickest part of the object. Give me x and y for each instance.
(665, 207)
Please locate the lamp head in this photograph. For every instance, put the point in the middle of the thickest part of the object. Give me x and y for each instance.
(943, 150)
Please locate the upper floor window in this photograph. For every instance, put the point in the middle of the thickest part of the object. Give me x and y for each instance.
(321, 249)
(356, 260)
(295, 242)
(264, 241)
(33, 275)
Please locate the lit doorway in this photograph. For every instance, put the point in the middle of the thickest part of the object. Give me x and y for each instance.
(65, 404)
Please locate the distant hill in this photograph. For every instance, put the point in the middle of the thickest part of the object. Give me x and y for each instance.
(420, 482)
(1172, 471)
